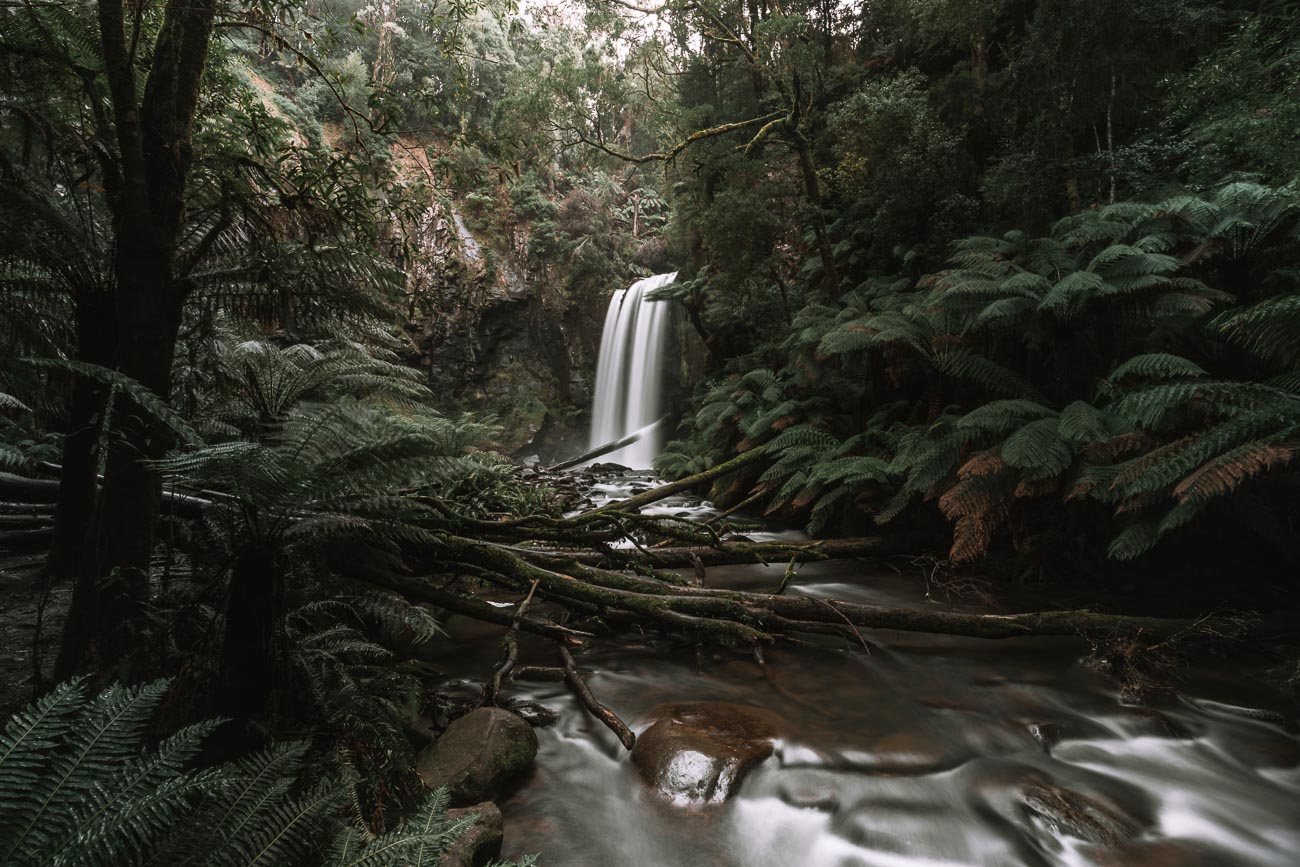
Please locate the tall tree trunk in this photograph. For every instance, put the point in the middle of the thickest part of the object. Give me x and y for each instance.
(979, 59)
(1071, 176)
(112, 589)
(153, 136)
(79, 482)
(813, 190)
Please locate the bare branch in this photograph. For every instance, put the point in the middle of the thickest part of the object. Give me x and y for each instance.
(676, 150)
(637, 8)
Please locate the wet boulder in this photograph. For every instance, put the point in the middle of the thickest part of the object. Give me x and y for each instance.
(699, 752)
(480, 843)
(1093, 819)
(478, 755)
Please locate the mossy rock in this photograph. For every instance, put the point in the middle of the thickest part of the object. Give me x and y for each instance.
(478, 756)
(481, 842)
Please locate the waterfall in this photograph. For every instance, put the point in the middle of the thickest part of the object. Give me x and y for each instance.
(629, 375)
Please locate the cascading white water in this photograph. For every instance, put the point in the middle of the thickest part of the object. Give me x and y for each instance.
(629, 374)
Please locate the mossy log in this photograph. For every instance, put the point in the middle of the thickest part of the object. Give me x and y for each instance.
(663, 492)
(735, 552)
(759, 618)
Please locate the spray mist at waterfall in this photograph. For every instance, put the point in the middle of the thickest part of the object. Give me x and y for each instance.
(630, 374)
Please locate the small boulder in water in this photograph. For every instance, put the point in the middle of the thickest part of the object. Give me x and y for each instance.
(697, 753)
(536, 715)
(610, 468)
(1084, 817)
(478, 755)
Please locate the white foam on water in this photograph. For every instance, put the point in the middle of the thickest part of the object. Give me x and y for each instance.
(1202, 793)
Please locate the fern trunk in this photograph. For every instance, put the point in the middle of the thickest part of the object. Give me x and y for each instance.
(250, 659)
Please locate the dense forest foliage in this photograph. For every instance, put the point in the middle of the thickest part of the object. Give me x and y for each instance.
(1018, 279)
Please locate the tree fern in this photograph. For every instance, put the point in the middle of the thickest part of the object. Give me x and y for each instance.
(79, 788)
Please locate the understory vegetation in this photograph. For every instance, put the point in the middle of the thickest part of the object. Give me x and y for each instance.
(1016, 281)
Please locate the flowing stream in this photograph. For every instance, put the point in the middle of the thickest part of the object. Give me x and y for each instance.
(629, 374)
(917, 754)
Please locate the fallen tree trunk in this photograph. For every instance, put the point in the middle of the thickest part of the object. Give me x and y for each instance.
(601, 451)
(46, 491)
(755, 618)
(26, 540)
(423, 590)
(730, 553)
(662, 492)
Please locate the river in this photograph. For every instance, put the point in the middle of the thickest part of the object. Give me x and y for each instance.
(923, 751)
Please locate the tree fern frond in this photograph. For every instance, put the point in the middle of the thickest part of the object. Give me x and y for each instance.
(801, 435)
(155, 407)
(1137, 537)
(1158, 366)
(1270, 329)
(1038, 450)
(28, 740)
(1002, 416)
(1222, 474)
(104, 736)
(1082, 423)
(985, 373)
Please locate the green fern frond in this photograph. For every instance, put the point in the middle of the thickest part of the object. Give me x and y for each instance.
(155, 407)
(801, 435)
(1270, 329)
(984, 372)
(1156, 366)
(1038, 450)
(1137, 537)
(1069, 294)
(1000, 417)
(1083, 424)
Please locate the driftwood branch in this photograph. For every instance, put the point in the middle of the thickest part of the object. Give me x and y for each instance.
(595, 708)
(511, 645)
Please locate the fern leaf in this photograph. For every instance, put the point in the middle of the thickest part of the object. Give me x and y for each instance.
(1038, 450)
(1138, 537)
(1156, 366)
(1223, 474)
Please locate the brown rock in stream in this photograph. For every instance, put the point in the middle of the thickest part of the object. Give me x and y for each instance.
(697, 753)
(1085, 817)
(478, 755)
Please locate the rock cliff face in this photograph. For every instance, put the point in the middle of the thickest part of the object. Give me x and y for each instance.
(496, 338)
(506, 304)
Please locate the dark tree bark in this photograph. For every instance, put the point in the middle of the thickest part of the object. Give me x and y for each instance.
(154, 155)
(79, 479)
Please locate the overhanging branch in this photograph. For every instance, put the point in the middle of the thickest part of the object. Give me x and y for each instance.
(676, 150)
